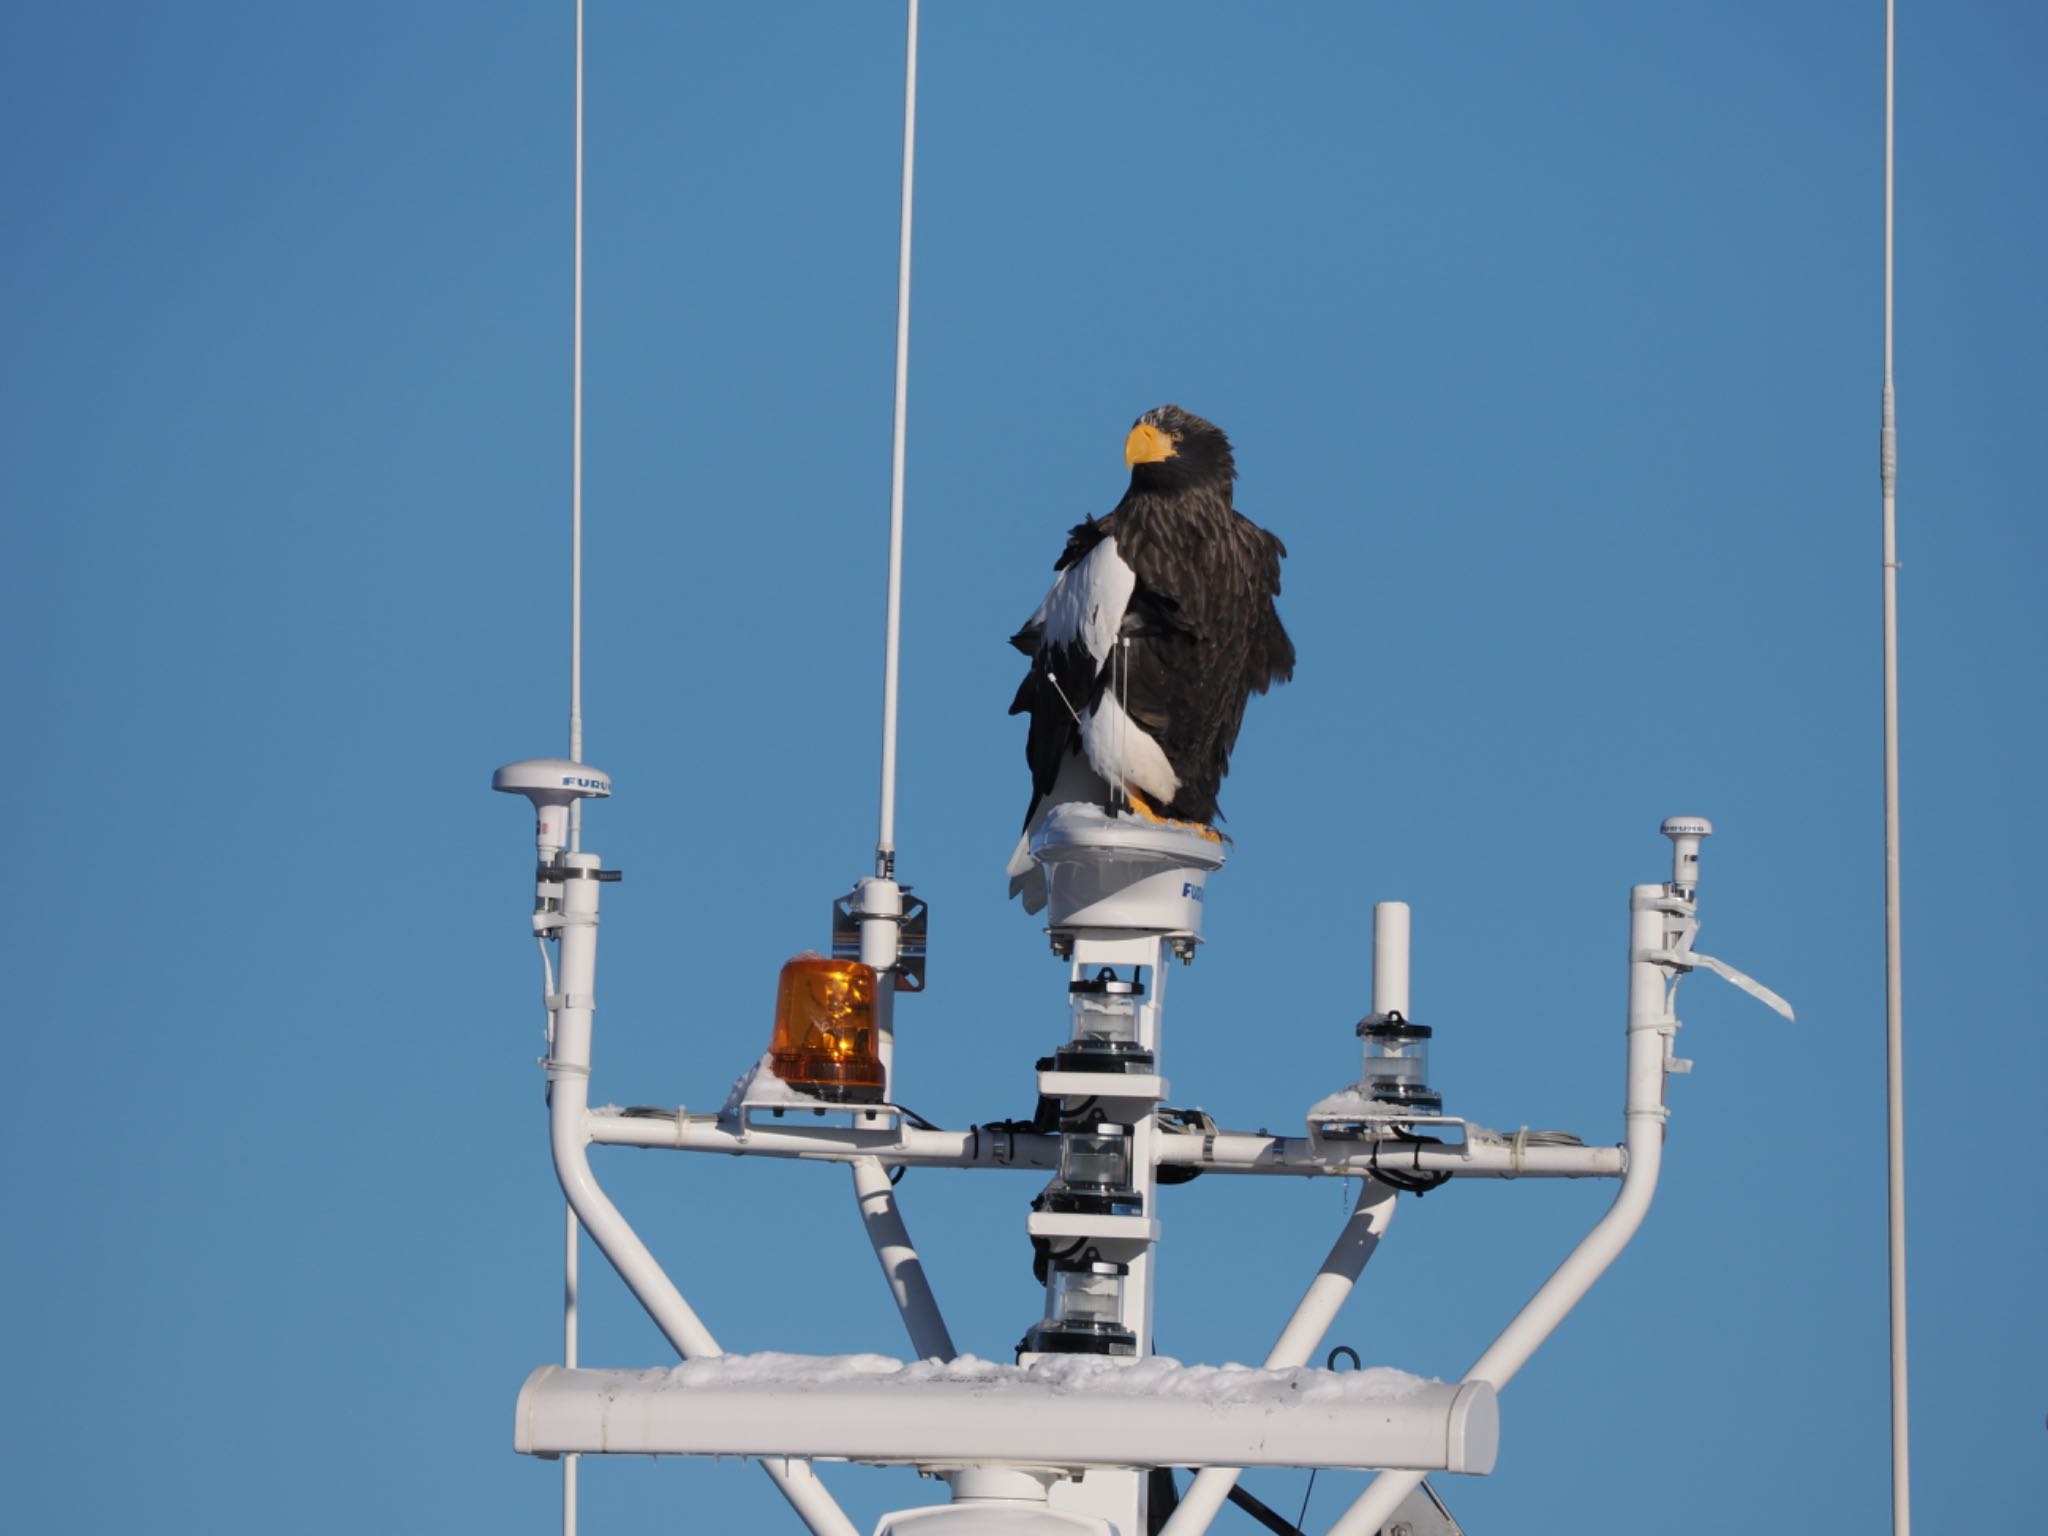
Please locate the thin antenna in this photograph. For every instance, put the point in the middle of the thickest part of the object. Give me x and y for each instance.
(885, 842)
(572, 1228)
(573, 1233)
(576, 471)
(1894, 1002)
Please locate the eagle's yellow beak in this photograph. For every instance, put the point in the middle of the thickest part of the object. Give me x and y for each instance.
(1147, 445)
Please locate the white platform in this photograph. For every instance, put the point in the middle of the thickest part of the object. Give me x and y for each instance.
(1070, 1412)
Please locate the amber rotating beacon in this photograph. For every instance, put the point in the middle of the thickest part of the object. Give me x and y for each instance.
(824, 1042)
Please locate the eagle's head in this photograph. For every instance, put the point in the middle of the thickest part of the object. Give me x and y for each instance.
(1170, 449)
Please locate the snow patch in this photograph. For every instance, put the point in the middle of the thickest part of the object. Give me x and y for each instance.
(1153, 1377)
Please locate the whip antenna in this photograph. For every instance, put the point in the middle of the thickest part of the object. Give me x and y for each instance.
(576, 468)
(1894, 1003)
(885, 841)
(572, 1228)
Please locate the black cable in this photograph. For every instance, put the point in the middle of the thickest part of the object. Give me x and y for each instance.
(1162, 1498)
(1415, 1182)
(1262, 1512)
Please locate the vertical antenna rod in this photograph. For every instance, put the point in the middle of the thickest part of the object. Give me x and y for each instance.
(576, 471)
(885, 842)
(1894, 1003)
(572, 1228)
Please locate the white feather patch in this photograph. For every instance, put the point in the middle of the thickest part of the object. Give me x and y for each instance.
(1119, 750)
(1087, 602)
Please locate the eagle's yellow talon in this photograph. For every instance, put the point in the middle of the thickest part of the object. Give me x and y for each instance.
(1137, 803)
(1139, 806)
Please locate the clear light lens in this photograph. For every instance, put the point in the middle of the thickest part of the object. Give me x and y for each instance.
(1397, 1063)
(1105, 1019)
(1083, 1296)
(1096, 1159)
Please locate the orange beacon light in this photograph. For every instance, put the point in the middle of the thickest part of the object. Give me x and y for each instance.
(824, 1041)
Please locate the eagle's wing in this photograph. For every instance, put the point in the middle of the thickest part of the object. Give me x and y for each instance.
(1204, 637)
(1069, 639)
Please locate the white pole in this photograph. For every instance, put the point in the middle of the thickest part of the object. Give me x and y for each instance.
(573, 1230)
(885, 842)
(576, 466)
(569, 1255)
(1390, 931)
(901, 1267)
(1894, 1021)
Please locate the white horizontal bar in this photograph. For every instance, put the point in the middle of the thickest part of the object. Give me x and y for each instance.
(1019, 1415)
(986, 1147)
(1242, 1152)
(979, 1147)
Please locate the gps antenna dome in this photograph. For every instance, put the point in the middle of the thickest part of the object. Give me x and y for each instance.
(553, 784)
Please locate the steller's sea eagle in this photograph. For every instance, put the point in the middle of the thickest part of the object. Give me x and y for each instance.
(1159, 627)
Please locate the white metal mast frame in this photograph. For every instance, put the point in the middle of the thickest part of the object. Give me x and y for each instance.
(1894, 991)
(565, 1410)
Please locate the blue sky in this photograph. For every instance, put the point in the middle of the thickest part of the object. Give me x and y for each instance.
(1549, 340)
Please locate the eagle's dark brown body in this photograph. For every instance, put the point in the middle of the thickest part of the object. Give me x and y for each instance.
(1158, 629)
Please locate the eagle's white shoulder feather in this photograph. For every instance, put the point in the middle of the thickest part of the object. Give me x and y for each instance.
(1087, 602)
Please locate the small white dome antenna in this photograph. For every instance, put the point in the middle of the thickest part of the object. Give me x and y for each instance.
(555, 786)
(1686, 834)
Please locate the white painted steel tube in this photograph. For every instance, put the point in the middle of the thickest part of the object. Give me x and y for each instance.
(568, 1120)
(1299, 1340)
(1437, 1426)
(1649, 1030)
(571, 1246)
(1894, 981)
(878, 901)
(901, 1268)
(1245, 1152)
(885, 840)
(972, 1148)
(1390, 925)
(1342, 1266)
(1221, 1152)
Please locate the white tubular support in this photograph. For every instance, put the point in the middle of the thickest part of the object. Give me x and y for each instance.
(1390, 926)
(901, 1267)
(571, 1246)
(878, 902)
(1508, 1157)
(1650, 1030)
(1303, 1334)
(568, 1124)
